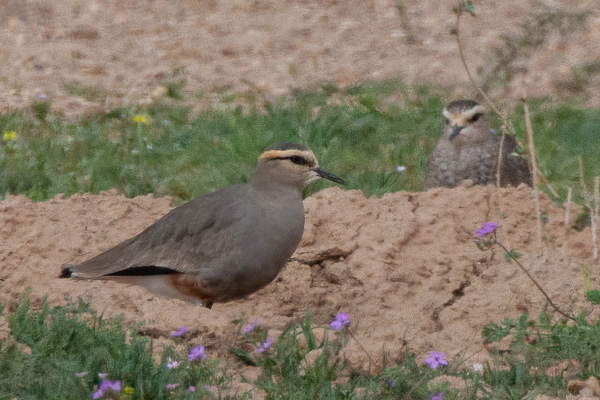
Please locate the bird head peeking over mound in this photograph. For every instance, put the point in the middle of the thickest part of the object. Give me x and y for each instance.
(465, 121)
(469, 149)
(222, 245)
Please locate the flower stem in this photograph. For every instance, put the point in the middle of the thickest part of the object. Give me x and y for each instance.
(534, 281)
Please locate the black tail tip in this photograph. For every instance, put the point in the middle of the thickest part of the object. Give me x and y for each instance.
(65, 272)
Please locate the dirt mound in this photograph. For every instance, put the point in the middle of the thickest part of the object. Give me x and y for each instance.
(404, 266)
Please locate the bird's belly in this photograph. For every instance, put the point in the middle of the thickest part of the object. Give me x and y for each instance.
(244, 273)
(480, 167)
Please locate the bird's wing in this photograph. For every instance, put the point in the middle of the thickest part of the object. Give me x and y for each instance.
(189, 236)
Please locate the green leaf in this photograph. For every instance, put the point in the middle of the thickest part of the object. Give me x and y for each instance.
(494, 333)
(469, 7)
(593, 296)
(243, 356)
(512, 255)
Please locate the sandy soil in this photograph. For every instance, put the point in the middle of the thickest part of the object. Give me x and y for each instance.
(404, 266)
(93, 55)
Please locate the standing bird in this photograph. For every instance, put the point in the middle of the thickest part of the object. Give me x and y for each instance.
(469, 149)
(223, 245)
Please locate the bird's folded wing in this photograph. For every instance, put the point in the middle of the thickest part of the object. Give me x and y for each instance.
(187, 237)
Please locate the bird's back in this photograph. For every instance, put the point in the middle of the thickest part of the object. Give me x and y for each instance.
(450, 164)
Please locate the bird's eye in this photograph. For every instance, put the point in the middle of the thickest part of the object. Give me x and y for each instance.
(298, 160)
(475, 117)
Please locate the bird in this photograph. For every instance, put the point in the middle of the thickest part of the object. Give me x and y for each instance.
(219, 246)
(469, 148)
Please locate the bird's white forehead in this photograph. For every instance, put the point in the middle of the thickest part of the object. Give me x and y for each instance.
(276, 154)
(462, 116)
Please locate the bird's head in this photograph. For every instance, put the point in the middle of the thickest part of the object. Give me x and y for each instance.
(465, 120)
(290, 164)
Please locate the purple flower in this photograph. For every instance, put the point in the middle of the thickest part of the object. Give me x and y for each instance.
(335, 325)
(436, 360)
(341, 320)
(192, 389)
(42, 96)
(265, 345)
(488, 227)
(172, 385)
(249, 328)
(197, 352)
(107, 386)
(388, 382)
(180, 332)
(439, 396)
(172, 364)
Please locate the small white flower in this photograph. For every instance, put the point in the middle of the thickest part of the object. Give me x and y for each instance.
(135, 151)
(172, 364)
(400, 168)
(149, 146)
(477, 367)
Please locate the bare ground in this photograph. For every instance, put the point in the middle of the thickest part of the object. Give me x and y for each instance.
(94, 55)
(404, 266)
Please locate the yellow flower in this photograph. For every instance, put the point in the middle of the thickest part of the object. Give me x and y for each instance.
(128, 390)
(9, 135)
(141, 119)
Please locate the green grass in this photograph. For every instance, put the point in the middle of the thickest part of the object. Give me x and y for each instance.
(47, 346)
(359, 133)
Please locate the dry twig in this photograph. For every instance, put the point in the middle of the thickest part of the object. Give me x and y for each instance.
(588, 204)
(536, 196)
(568, 207)
(506, 127)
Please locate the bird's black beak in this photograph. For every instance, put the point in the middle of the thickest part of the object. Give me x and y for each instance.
(324, 174)
(455, 131)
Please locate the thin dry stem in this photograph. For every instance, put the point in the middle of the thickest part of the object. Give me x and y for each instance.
(481, 92)
(594, 216)
(588, 203)
(568, 209)
(585, 193)
(505, 125)
(596, 194)
(500, 154)
(466, 67)
(371, 363)
(558, 310)
(536, 195)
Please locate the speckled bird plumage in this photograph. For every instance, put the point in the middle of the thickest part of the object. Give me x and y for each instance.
(468, 149)
(223, 245)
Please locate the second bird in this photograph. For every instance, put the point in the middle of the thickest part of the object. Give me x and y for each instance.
(468, 149)
(223, 245)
